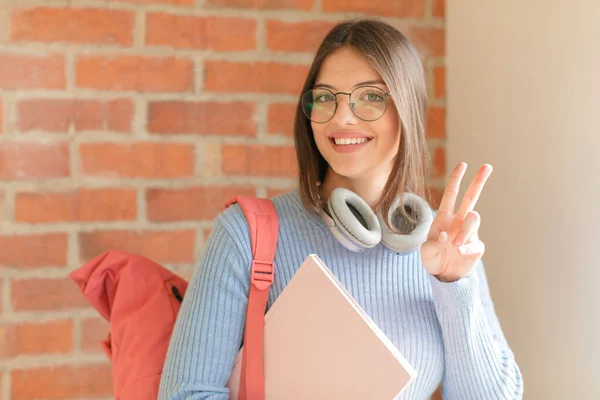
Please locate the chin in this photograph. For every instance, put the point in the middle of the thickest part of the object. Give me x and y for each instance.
(348, 170)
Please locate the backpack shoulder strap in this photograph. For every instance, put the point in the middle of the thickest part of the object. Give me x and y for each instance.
(263, 224)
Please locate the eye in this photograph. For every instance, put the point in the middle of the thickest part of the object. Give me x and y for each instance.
(325, 97)
(373, 96)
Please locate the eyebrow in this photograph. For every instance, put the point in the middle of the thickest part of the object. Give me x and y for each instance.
(371, 82)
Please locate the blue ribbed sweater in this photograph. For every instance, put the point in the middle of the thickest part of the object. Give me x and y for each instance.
(449, 332)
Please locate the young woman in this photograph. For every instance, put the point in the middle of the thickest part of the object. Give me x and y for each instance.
(361, 140)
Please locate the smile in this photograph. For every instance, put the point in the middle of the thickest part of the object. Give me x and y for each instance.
(346, 141)
(349, 145)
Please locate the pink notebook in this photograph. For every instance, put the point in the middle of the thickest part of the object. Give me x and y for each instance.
(320, 344)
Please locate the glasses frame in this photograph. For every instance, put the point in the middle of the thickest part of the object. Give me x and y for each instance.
(352, 105)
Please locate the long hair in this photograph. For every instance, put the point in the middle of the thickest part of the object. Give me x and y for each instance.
(395, 58)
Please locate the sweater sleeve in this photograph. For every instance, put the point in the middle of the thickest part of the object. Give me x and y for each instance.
(479, 363)
(208, 332)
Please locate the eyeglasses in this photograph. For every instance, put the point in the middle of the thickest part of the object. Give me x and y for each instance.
(366, 102)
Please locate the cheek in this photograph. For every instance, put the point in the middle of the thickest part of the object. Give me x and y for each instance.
(390, 124)
(318, 133)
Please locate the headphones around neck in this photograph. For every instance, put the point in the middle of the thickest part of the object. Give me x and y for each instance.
(354, 224)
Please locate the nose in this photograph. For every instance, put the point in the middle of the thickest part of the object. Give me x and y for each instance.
(344, 114)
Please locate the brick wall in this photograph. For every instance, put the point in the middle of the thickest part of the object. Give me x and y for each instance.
(127, 124)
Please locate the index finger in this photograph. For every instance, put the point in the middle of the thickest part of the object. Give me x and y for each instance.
(448, 201)
(474, 190)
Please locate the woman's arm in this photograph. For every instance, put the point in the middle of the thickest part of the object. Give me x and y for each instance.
(209, 328)
(479, 363)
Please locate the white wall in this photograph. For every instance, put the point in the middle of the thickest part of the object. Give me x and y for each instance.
(524, 96)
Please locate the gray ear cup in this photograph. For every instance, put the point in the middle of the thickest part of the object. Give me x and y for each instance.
(356, 225)
(412, 235)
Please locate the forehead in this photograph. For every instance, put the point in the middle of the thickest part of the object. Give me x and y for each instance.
(344, 68)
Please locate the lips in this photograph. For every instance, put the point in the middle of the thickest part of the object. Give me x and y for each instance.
(349, 142)
(349, 135)
(349, 138)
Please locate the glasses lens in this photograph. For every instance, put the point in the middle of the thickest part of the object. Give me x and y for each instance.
(319, 105)
(369, 102)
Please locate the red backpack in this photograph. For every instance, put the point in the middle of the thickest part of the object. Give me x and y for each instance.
(141, 300)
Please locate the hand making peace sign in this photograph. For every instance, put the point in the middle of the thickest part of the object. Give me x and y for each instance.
(453, 247)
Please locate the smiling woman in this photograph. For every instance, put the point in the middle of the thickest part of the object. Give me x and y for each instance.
(385, 89)
(358, 138)
(361, 147)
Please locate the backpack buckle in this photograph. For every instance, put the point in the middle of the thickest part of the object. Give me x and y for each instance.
(261, 274)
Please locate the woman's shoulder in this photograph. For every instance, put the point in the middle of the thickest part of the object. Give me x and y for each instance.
(287, 204)
(291, 214)
(291, 210)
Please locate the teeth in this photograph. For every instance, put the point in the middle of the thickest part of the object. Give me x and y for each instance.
(344, 141)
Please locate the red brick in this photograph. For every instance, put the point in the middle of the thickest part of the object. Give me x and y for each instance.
(93, 331)
(439, 82)
(296, 36)
(46, 294)
(436, 122)
(8, 341)
(428, 41)
(305, 5)
(439, 8)
(74, 25)
(259, 160)
(20, 160)
(204, 118)
(137, 160)
(162, 246)
(54, 115)
(84, 205)
(208, 33)
(26, 71)
(385, 8)
(171, 2)
(136, 73)
(53, 337)
(258, 77)
(196, 203)
(62, 382)
(439, 163)
(31, 251)
(281, 118)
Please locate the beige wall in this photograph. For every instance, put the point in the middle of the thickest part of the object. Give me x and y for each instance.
(524, 96)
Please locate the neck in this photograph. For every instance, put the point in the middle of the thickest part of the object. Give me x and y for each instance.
(368, 188)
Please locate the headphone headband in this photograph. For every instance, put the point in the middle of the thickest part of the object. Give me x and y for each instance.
(354, 224)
